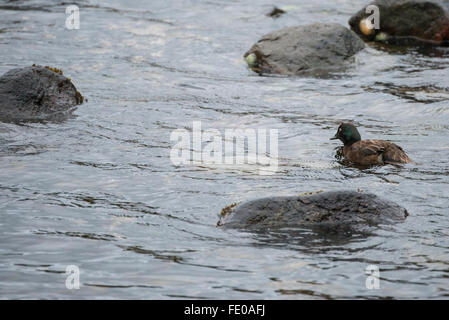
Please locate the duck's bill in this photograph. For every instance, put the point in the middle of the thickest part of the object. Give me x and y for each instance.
(334, 138)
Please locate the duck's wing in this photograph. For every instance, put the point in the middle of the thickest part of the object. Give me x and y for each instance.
(371, 148)
(395, 154)
(376, 152)
(392, 153)
(366, 152)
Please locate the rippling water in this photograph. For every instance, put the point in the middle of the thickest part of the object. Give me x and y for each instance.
(99, 191)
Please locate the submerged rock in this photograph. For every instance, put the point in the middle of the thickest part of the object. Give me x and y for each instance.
(36, 93)
(296, 50)
(275, 12)
(329, 209)
(405, 22)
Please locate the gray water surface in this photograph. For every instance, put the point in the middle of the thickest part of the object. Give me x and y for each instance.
(99, 191)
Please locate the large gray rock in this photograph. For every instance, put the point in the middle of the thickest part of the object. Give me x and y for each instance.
(337, 208)
(302, 49)
(36, 93)
(406, 22)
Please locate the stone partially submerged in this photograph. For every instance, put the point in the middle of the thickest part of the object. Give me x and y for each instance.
(297, 50)
(405, 22)
(330, 209)
(36, 93)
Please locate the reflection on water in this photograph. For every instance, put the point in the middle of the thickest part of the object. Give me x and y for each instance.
(424, 94)
(99, 191)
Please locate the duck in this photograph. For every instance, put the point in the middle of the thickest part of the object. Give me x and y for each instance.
(368, 152)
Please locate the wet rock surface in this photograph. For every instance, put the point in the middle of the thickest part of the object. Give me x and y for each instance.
(36, 93)
(311, 48)
(328, 209)
(406, 22)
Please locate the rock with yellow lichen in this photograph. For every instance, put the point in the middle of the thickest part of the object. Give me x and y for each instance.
(336, 208)
(37, 93)
(404, 22)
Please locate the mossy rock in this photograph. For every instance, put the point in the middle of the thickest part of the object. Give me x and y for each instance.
(405, 23)
(336, 208)
(37, 93)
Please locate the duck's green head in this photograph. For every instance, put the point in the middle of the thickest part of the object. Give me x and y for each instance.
(347, 133)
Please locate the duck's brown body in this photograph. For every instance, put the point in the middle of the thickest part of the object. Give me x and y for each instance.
(375, 152)
(368, 152)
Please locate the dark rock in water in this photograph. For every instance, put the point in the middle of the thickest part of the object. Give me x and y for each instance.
(337, 209)
(36, 93)
(276, 12)
(298, 50)
(405, 22)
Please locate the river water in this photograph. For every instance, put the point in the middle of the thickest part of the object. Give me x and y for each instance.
(100, 192)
